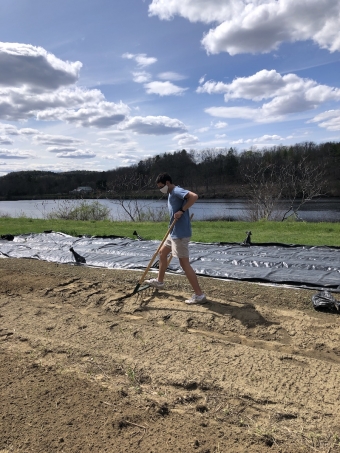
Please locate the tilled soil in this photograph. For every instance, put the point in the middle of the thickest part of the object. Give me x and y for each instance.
(256, 369)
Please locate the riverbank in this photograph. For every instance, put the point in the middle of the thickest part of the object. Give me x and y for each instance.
(152, 194)
(228, 194)
(325, 210)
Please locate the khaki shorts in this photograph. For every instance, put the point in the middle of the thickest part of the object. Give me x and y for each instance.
(179, 247)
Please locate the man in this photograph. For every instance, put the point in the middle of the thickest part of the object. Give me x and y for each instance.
(179, 202)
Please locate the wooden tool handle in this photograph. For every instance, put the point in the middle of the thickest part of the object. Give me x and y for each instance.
(157, 251)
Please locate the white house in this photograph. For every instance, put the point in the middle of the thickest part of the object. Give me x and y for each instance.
(80, 189)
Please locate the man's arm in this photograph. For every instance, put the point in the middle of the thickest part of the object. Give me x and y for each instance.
(190, 199)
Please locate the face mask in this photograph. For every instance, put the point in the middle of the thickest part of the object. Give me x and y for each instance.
(164, 189)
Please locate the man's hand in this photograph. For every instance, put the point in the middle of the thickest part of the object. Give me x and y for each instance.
(178, 215)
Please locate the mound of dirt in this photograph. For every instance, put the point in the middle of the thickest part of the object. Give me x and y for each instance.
(253, 370)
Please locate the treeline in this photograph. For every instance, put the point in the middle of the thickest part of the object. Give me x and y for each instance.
(40, 184)
(211, 172)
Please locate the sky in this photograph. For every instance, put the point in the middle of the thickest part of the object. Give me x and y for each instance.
(100, 84)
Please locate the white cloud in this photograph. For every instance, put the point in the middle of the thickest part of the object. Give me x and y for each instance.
(329, 120)
(124, 158)
(16, 154)
(235, 112)
(23, 103)
(255, 26)
(266, 138)
(126, 146)
(24, 64)
(171, 76)
(93, 113)
(36, 84)
(164, 88)
(60, 149)
(259, 140)
(186, 139)
(46, 139)
(202, 129)
(28, 131)
(128, 56)
(4, 140)
(141, 59)
(8, 129)
(61, 166)
(221, 125)
(103, 115)
(114, 137)
(241, 141)
(79, 154)
(129, 161)
(220, 135)
(124, 155)
(259, 86)
(286, 94)
(120, 144)
(153, 125)
(117, 141)
(109, 157)
(141, 77)
(268, 84)
(193, 10)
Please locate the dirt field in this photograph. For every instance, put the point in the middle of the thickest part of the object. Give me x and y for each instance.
(256, 369)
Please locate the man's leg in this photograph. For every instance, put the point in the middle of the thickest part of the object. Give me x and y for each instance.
(191, 276)
(163, 262)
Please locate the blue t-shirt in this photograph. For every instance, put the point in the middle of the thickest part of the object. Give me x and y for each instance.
(182, 228)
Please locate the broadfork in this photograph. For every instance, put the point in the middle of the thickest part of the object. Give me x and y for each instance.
(138, 287)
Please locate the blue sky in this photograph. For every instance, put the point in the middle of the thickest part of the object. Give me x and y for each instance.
(98, 84)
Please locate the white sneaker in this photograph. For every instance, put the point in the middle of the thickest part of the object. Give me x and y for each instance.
(155, 283)
(196, 299)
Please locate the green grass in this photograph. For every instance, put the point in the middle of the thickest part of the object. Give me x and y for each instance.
(221, 231)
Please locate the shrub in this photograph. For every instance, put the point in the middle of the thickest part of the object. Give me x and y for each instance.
(153, 215)
(80, 210)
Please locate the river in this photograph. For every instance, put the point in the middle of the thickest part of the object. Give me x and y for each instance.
(325, 210)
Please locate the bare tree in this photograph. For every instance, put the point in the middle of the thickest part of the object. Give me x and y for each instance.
(264, 188)
(269, 186)
(123, 190)
(305, 181)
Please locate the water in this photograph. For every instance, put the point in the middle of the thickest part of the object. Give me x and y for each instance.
(326, 210)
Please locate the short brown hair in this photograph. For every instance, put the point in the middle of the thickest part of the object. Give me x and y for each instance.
(163, 178)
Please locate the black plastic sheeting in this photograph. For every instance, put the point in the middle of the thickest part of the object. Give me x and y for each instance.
(324, 301)
(304, 266)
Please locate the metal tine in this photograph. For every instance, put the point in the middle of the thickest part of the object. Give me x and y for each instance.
(138, 286)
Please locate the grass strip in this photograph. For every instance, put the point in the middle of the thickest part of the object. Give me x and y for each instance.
(304, 233)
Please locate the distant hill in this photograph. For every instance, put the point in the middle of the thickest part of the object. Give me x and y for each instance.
(45, 183)
(211, 173)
